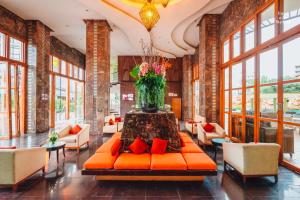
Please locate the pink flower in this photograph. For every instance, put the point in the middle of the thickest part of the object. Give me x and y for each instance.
(157, 68)
(144, 68)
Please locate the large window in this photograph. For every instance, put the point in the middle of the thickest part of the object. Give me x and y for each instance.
(261, 83)
(66, 92)
(12, 86)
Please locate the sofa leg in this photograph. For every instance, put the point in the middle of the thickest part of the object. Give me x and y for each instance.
(88, 144)
(225, 166)
(15, 187)
(244, 179)
(276, 178)
(43, 170)
(78, 150)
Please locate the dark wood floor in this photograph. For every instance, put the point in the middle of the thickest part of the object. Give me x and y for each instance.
(70, 184)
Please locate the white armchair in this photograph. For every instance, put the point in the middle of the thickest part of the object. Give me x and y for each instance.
(252, 159)
(191, 125)
(18, 164)
(205, 138)
(75, 141)
(116, 127)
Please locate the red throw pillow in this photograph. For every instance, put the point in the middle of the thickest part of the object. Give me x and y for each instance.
(115, 148)
(111, 122)
(209, 128)
(118, 119)
(138, 146)
(76, 129)
(159, 146)
(182, 142)
(11, 147)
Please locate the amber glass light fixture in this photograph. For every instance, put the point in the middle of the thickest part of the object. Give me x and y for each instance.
(149, 15)
(164, 2)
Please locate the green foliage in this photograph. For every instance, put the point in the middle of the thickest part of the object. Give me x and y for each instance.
(135, 72)
(53, 137)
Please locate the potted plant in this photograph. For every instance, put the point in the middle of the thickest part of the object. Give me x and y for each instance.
(150, 84)
(53, 137)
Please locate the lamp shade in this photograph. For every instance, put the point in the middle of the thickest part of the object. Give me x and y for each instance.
(149, 15)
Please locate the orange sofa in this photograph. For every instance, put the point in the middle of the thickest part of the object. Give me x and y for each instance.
(191, 164)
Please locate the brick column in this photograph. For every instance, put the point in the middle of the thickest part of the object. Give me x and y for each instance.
(209, 77)
(97, 73)
(187, 87)
(38, 77)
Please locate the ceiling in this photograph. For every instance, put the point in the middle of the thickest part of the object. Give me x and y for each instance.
(175, 34)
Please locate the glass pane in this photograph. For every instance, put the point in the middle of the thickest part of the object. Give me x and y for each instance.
(267, 24)
(13, 112)
(226, 51)
(16, 49)
(237, 44)
(237, 75)
(226, 78)
(291, 14)
(226, 123)
(3, 97)
(2, 44)
(63, 68)
(196, 98)
(60, 99)
(268, 102)
(250, 71)
(70, 70)
(72, 100)
(291, 105)
(236, 127)
(55, 64)
(249, 36)
(249, 130)
(80, 102)
(75, 70)
(291, 60)
(12, 76)
(226, 101)
(268, 132)
(291, 144)
(81, 74)
(237, 101)
(269, 66)
(250, 101)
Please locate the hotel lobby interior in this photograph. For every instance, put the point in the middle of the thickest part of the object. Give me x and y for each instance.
(150, 99)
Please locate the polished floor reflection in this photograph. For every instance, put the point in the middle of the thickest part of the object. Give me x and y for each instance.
(66, 182)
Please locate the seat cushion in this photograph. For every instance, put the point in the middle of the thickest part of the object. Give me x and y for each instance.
(100, 161)
(213, 135)
(187, 139)
(199, 161)
(168, 161)
(69, 139)
(133, 161)
(106, 147)
(110, 129)
(191, 148)
(116, 135)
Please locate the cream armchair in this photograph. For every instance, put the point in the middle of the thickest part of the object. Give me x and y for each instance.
(252, 160)
(75, 141)
(191, 125)
(18, 164)
(116, 127)
(205, 138)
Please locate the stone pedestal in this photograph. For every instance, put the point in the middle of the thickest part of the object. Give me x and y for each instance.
(97, 73)
(151, 125)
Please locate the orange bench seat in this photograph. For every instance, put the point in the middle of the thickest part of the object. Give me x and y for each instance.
(199, 161)
(133, 161)
(168, 161)
(191, 148)
(100, 161)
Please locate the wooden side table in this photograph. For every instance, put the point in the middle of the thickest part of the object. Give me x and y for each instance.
(55, 147)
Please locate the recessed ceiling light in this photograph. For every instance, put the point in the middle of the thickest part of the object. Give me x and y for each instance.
(87, 10)
(67, 25)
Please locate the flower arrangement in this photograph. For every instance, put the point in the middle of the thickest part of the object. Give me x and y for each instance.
(151, 83)
(53, 137)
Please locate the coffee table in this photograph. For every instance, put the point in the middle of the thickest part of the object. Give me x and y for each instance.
(217, 144)
(55, 147)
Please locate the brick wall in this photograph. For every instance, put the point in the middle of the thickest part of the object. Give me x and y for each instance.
(209, 72)
(12, 24)
(187, 87)
(63, 51)
(237, 12)
(126, 64)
